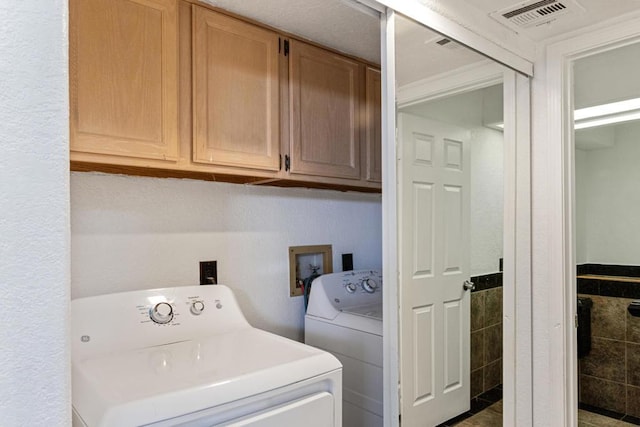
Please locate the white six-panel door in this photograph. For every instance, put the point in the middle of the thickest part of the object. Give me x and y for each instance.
(434, 253)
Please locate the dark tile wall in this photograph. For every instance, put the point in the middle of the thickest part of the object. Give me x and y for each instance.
(612, 287)
(609, 270)
(487, 281)
(610, 374)
(621, 281)
(486, 339)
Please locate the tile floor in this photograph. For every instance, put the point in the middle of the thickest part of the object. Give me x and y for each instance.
(486, 411)
(492, 417)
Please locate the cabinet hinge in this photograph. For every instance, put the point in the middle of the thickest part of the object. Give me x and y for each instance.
(286, 47)
(287, 162)
(576, 321)
(279, 44)
(280, 164)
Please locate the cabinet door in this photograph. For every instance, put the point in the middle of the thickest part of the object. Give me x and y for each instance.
(373, 126)
(324, 112)
(236, 92)
(124, 78)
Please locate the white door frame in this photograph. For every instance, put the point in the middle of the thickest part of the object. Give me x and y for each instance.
(517, 372)
(390, 365)
(556, 389)
(517, 382)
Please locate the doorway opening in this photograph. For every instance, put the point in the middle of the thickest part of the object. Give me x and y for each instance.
(561, 190)
(606, 103)
(451, 196)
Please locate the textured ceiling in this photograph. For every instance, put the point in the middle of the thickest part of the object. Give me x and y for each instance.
(342, 25)
(333, 23)
(418, 56)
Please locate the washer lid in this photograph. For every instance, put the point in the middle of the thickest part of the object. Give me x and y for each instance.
(373, 311)
(157, 383)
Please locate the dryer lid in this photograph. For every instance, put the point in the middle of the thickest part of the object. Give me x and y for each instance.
(152, 384)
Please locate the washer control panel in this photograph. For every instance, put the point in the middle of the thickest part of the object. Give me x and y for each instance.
(161, 313)
(197, 307)
(369, 285)
(350, 288)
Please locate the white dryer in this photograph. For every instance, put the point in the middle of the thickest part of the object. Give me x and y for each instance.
(186, 356)
(344, 317)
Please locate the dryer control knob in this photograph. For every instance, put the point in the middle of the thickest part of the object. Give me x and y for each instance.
(351, 287)
(197, 307)
(369, 285)
(161, 313)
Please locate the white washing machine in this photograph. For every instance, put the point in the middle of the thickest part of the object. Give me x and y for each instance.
(186, 356)
(344, 317)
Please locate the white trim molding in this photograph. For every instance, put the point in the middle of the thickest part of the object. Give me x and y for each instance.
(464, 79)
(517, 309)
(390, 362)
(554, 282)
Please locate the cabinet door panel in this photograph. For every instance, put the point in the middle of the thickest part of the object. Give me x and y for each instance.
(325, 105)
(373, 126)
(124, 78)
(236, 92)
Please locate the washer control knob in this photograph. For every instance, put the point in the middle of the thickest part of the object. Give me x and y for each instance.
(369, 285)
(197, 307)
(351, 287)
(161, 313)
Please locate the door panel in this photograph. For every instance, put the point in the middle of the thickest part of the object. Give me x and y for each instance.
(453, 154)
(453, 229)
(423, 148)
(434, 246)
(423, 343)
(423, 226)
(453, 348)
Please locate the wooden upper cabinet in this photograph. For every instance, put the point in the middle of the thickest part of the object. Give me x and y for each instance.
(325, 90)
(236, 118)
(124, 78)
(373, 138)
(174, 88)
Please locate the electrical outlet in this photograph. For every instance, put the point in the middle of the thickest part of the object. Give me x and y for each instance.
(347, 262)
(208, 272)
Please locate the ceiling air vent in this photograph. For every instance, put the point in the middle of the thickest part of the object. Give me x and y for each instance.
(447, 43)
(534, 13)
